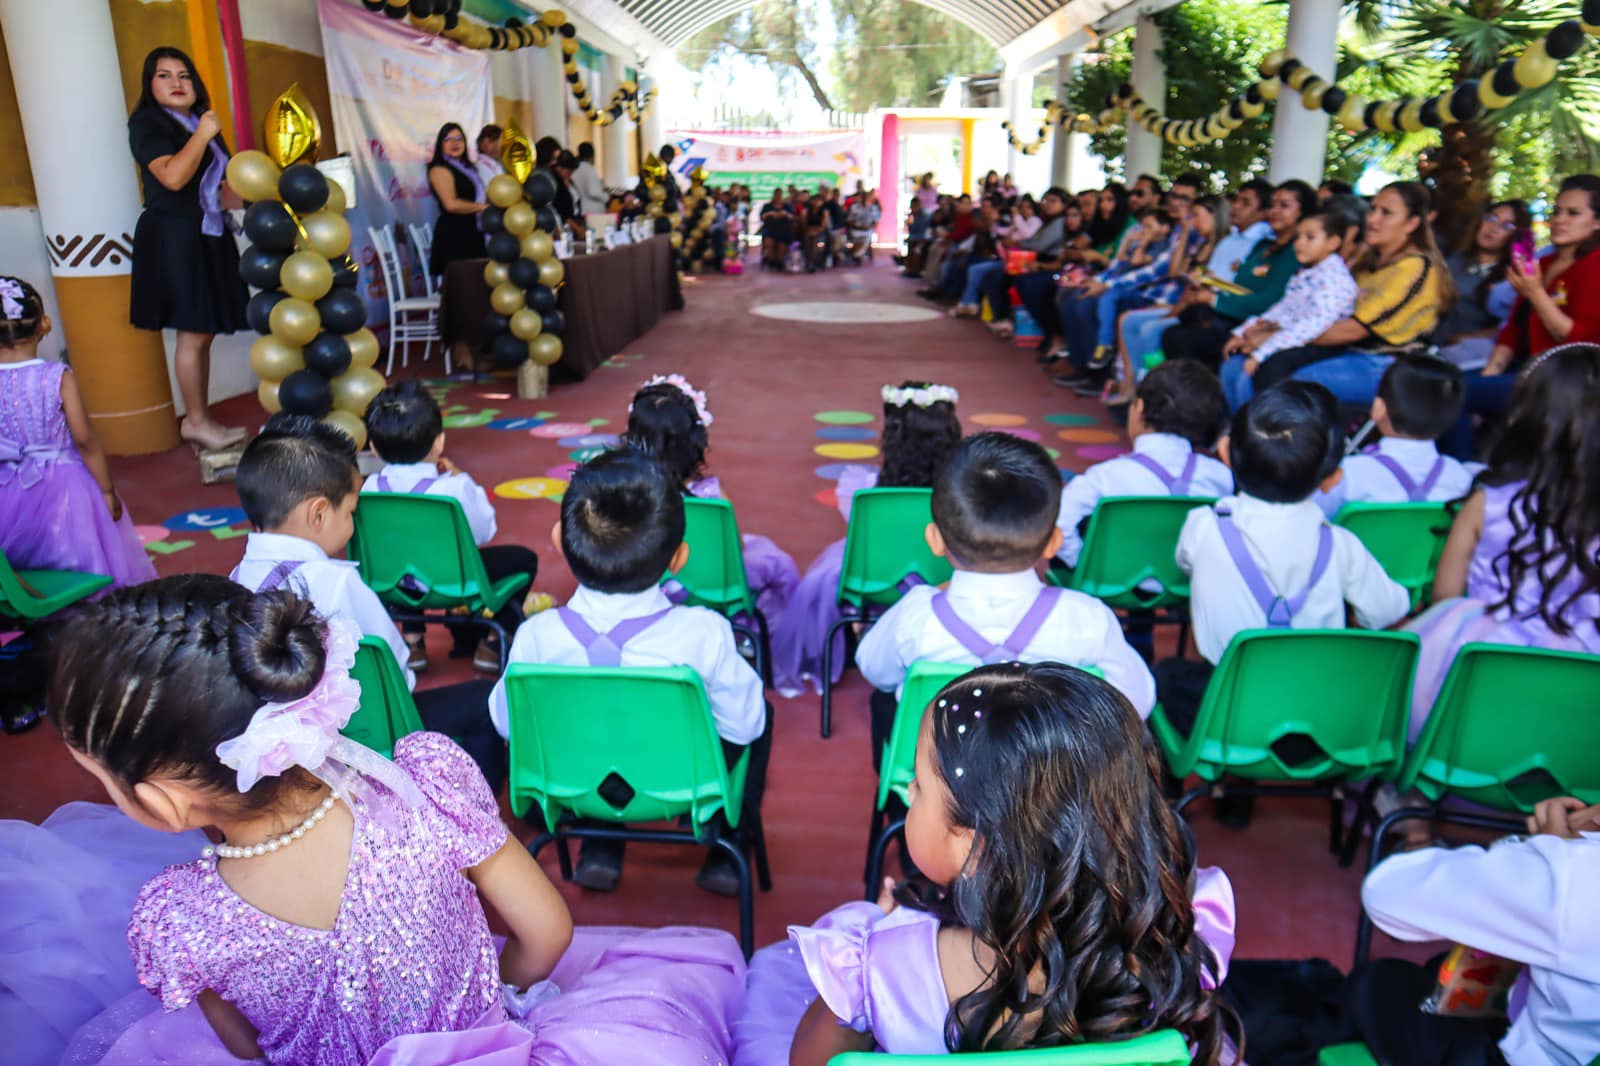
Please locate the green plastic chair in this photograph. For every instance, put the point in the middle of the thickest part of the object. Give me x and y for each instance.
(1165, 1047)
(387, 711)
(416, 552)
(1511, 727)
(1406, 539)
(1346, 1055)
(885, 546)
(53, 590)
(624, 745)
(1346, 690)
(714, 575)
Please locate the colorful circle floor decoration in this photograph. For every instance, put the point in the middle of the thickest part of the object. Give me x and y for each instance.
(846, 451)
(995, 419)
(583, 455)
(847, 433)
(843, 313)
(516, 425)
(1071, 420)
(591, 440)
(1023, 432)
(1089, 436)
(843, 418)
(151, 534)
(557, 430)
(206, 518)
(531, 488)
(563, 472)
(1101, 452)
(470, 419)
(832, 471)
(828, 498)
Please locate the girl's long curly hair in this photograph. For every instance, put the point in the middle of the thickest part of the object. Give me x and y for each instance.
(1080, 875)
(663, 422)
(916, 440)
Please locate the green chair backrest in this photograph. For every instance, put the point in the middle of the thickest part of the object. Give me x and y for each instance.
(714, 574)
(52, 590)
(572, 727)
(899, 763)
(399, 534)
(1405, 538)
(1132, 540)
(885, 544)
(1349, 690)
(1512, 726)
(387, 711)
(1165, 1047)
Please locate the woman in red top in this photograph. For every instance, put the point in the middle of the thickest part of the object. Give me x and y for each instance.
(1558, 303)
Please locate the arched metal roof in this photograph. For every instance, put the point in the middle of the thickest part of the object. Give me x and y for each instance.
(675, 21)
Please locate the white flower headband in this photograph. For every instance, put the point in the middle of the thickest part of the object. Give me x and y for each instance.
(926, 396)
(679, 382)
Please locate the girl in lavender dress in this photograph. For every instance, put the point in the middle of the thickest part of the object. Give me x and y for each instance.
(1522, 563)
(919, 430)
(668, 419)
(342, 919)
(58, 507)
(1061, 903)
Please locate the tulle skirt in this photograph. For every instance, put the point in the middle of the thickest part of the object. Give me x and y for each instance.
(798, 633)
(63, 523)
(778, 992)
(771, 573)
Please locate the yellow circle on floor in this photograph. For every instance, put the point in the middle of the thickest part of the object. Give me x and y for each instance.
(531, 488)
(992, 418)
(846, 451)
(1089, 436)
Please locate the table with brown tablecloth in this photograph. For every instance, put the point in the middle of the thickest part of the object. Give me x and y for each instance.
(609, 300)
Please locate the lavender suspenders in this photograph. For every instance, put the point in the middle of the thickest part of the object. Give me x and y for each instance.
(1280, 610)
(1011, 649)
(381, 482)
(275, 577)
(605, 649)
(1414, 492)
(1176, 485)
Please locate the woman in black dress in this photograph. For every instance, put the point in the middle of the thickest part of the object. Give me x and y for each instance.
(185, 262)
(459, 191)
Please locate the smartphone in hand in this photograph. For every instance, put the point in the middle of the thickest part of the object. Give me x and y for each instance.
(1522, 251)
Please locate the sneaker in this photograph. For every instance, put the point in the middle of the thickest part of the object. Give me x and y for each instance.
(417, 660)
(719, 875)
(486, 657)
(1003, 329)
(1102, 357)
(599, 866)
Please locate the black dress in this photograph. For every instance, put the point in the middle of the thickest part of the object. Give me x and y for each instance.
(455, 236)
(182, 279)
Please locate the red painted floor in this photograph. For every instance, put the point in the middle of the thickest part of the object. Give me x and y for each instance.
(766, 379)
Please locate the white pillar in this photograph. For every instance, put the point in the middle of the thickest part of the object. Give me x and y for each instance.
(652, 126)
(1150, 82)
(1299, 135)
(549, 93)
(1062, 143)
(1018, 92)
(616, 134)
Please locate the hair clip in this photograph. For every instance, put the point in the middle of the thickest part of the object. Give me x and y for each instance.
(11, 298)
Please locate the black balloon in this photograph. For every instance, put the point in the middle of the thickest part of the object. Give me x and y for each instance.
(507, 350)
(1591, 12)
(1505, 79)
(422, 8)
(553, 321)
(451, 20)
(269, 225)
(568, 30)
(1236, 111)
(573, 76)
(303, 188)
(524, 273)
(1369, 117)
(548, 220)
(503, 247)
(1429, 115)
(328, 354)
(373, 5)
(1334, 99)
(1124, 91)
(1253, 94)
(394, 13)
(260, 267)
(258, 311)
(1464, 102)
(1565, 40)
(493, 219)
(346, 275)
(540, 187)
(306, 392)
(494, 323)
(342, 311)
(497, 37)
(1288, 68)
(542, 298)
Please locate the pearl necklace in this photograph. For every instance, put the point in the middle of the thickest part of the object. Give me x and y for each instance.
(250, 851)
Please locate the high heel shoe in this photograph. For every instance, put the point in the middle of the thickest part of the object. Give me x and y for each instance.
(209, 439)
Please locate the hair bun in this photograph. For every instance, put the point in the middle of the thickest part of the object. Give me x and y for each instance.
(276, 645)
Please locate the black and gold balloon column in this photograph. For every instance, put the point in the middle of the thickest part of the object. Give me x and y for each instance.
(698, 213)
(523, 273)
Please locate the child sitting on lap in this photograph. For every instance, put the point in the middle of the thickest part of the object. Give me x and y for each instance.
(406, 429)
(621, 528)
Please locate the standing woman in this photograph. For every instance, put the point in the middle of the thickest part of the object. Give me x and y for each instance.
(185, 261)
(459, 191)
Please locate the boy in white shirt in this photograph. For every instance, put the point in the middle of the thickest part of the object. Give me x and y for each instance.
(621, 528)
(995, 502)
(406, 429)
(299, 485)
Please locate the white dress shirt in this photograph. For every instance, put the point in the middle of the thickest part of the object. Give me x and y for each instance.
(488, 168)
(1529, 900)
(1125, 476)
(404, 477)
(1282, 539)
(1366, 480)
(1232, 249)
(332, 585)
(1080, 631)
(694, 637)
(590, 190)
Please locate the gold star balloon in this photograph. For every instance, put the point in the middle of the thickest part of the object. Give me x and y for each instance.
(516, 154)
(291, 131)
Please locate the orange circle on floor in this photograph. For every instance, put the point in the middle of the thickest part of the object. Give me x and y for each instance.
(846, 451)
(991, 418)
(828, 498)
(1089, 436)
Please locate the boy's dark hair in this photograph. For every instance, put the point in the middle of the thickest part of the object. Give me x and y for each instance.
(1281, 441)
(1334, 219)
(621, 521)
(1423, 395)
(995, 502)
(1184, 398)
(403, 421)
(296, 458)
(1158, 213)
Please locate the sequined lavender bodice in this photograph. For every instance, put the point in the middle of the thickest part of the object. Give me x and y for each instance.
(31, 421)
(1488, 578)
(409, 953)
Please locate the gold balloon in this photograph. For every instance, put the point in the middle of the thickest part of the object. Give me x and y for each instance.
(520, 218)
(354, 389)
(504, 190)
(699, 175)
(306, 275)
(1534, 66)
(1272, 62)
(653, 169)
(550, 273)
(675, 239)
(336, 199)
(267, 397)
(538, 246)
(291, 131)
(1352, 114)
(1313, 93)
(545, 349)
(1268, 87)
(254, 176)
(327, 233)
(295, 321)
(1410, 116)
(496, 273)
(273, 358)
(1446, 116)
(526, 324)
(654, 210)
(1492, 101)
(676, 218)
(507, 299)
(363, 348)
(348, 424)
(516, 154)
(1300, 77)
(553, 18)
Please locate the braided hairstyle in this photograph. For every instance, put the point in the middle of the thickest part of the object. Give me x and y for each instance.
(150, 679)
(25, 326)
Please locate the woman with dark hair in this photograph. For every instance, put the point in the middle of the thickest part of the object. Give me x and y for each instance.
(1484, 296)
(185, 262)
(458, 190)
(1110, 222)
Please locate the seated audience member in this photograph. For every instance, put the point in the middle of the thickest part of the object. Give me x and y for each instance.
(919, 234)
(1248, 226)
(985, 244)
(1110, 221)
(995, 504)
(488, 161)
(566, 201)
(862, 220)
(299, 486)
(621, 528)
(406, 429)
(777, 231)
(1036, 287)
(1484, 294)
(586, 183)
(960, 223)
(1333, 188)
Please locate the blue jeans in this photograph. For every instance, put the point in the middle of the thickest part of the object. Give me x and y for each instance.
(1141, 333)
(977, 274)
(1487, 397)
(1079, 324)
(1237, 386)
(952, 275)
(1352, 377)
(1110, 308)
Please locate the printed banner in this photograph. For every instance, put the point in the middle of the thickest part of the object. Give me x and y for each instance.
(766, 161)
(392, 88)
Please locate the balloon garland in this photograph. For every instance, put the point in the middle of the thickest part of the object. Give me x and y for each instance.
(695, 237)
(523, 273)
(315, 356)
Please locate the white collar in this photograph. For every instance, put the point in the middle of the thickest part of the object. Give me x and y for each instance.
(23, 363)
(592, 604)
(421, 470)
(1154, 444)
(1244, 504)
(1402, 448)
(972, 583)
(285, 546)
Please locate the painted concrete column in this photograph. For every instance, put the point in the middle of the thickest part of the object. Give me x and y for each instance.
(1299, 135)
(1150, 82)
(1062, 143)
(1018, 91)
(69, 90)
(615, 136)
(889, 181)
(549, 87)
(652, 127)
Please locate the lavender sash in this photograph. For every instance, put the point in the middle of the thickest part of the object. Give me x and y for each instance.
(381, 483)
(27, 462)
(1280, 610)
(211, 223)
(1177, 485)
(1416, 493)
(1013, 646)
(275, 577)
(605, 649)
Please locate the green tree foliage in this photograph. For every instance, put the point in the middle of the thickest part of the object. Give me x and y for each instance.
(782, 32)
(893, 53)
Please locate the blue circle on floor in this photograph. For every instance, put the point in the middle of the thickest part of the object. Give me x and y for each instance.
(515, 425)
(206, 518)
(591, 440)
(583, 455)
(1067, 475)
(833, 471)
(847, 433)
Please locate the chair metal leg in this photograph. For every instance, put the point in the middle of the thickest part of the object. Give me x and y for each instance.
(747, 917)
(1336, 823)
(827, 676)
(1203, 789)
(758, 846)
(877, 853)
(1374, 854)
(1366, 815)
(878, 815)
(763, 648)
(505, 642)
(1183, 638)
